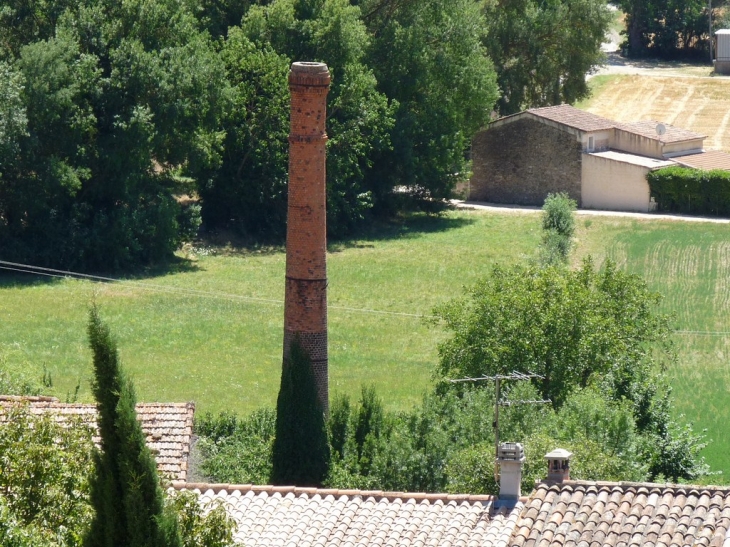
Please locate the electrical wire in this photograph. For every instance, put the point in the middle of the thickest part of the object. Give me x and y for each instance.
(67, 274)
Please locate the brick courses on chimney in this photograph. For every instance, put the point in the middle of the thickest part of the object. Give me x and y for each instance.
(305, 310)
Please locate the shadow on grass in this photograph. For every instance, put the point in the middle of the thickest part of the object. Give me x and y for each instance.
(10, 279)
(407, 226)
(29, 275)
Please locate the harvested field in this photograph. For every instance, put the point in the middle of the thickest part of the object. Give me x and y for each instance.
(701, 104)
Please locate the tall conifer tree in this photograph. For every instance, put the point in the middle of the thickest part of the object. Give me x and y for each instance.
(125, 490)
(301, 454)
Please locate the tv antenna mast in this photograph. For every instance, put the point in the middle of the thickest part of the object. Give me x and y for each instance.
(498, 401)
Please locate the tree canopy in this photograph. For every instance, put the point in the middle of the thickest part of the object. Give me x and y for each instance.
(122, 123)
(666, 28)
(542, 50)
(573, 327)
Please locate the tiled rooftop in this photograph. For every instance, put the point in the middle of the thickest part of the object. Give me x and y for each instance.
(711, 159)
(648, 129)
(283, 516)
(585, 121)
(168, 427)
(573, 117)
(586, 514)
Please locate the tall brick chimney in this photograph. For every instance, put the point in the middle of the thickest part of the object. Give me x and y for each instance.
(305, 309)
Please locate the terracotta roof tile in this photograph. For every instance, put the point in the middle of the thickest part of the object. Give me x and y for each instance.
(647, 129)
(573, 117)
(709, 159)
(266, 515)
(624, 515)
(168, 427)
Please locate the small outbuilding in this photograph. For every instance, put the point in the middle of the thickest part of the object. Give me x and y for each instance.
(722, 51)
(602, 164)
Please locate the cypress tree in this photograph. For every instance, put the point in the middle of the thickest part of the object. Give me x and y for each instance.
(125, 490)
(301, 454)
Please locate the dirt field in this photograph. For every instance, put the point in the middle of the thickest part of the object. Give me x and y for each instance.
(701, 104)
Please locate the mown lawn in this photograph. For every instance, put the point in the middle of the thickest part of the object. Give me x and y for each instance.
(211, 331)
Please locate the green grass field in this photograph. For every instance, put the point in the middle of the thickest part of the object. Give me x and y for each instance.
(211, 331)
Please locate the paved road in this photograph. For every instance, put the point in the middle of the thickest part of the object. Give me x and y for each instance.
(482, 206)
(615, 64)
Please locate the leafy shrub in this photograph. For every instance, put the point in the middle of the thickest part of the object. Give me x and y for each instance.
(45, 472)
(471, 470)
(237, 450)
(339, 424)
(558, 225)
(44, 480)
(692, 191)
(200, 526)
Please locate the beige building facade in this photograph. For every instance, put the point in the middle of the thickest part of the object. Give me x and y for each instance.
(600, 163)
(616, 181)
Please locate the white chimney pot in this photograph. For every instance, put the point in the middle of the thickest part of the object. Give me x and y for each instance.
(510, 458)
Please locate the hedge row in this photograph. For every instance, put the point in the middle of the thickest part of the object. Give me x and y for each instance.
(685, 190)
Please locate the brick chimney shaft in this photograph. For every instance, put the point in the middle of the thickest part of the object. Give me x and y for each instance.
(305, 308)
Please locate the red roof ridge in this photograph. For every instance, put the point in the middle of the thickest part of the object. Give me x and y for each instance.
(29, 398)
(323, 492)
(55, 401)
(632, 484)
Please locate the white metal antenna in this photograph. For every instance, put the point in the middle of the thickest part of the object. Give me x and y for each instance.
(498, 401)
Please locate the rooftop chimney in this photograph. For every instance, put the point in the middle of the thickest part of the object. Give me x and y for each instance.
(509, 458)
(305, 308)
(558, 465)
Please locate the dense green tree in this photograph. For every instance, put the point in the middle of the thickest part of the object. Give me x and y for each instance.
(44, 479)
(666, 28)
(301, 453)
(428, 59)
(125, 490)
(542, 50)
(25, 21)
(568, 326)
(588, 331)
(121, 100)
(248, 192)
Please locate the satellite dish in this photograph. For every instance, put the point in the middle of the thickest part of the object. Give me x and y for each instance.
(661, 129)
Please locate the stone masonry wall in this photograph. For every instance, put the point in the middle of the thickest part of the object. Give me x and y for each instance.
(305, 307)
(522, 162)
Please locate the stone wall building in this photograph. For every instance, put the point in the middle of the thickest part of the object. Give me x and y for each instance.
(600, 163)
(522, 162)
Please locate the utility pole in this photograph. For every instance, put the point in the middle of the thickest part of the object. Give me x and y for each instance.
(709, 17)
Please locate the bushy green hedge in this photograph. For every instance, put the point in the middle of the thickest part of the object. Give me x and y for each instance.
(684, 190)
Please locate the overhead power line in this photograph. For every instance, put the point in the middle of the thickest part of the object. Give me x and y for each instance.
(67, 274)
